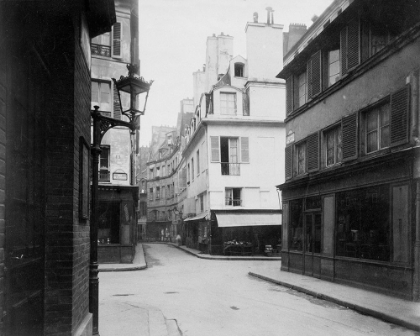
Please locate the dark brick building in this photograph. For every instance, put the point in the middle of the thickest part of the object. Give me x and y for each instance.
(44, 163)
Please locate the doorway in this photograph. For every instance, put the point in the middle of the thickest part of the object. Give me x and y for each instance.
(312, 243)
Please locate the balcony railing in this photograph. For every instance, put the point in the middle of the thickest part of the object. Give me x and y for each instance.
(230, 168)
(233, 201)
(100, 50)
(104, 176)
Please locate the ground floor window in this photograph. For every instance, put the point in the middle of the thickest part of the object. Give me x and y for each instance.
(296, 225)
(363, 223)
(108, 223)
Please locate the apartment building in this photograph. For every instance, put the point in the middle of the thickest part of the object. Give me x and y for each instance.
(351, 197)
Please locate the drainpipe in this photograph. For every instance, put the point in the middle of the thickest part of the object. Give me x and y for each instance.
(415, 134)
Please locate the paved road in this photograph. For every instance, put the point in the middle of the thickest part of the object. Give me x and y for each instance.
(218, 298)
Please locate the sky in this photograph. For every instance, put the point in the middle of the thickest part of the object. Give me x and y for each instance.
(173, 35)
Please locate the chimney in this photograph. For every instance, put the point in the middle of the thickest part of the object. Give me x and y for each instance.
(314, 18)
(255, 17)
(270, 18)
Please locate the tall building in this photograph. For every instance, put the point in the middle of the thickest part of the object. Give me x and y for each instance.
(118, 189)
(44, 163)
(351, 198)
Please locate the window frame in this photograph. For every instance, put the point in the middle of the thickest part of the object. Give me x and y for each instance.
(338, 158)
(98, 100)
(378, 109)
(225, 108)
(300, 145)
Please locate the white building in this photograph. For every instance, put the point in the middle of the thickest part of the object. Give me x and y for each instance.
(234, 150)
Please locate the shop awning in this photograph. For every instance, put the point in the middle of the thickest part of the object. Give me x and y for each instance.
(195, 217)
(247, 219)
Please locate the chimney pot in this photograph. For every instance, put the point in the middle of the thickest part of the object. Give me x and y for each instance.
(255, 17)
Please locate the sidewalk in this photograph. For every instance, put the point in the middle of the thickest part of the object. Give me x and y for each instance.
(390, 309)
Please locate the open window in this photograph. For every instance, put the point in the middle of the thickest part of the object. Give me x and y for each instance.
(233, 196)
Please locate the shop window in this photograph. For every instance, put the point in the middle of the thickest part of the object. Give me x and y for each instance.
(295, 229)
(228, 103)
(363, 223)
(233, 197)
(101, 96)
(377, 125)
(332, 146)
(108, 223)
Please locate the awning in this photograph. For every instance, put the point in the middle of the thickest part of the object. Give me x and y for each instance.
(196, 217)
(247, 219)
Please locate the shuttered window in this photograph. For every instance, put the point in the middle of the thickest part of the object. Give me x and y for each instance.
(312, 147)
(314, 75)
(349, 137)
(289, 162)
(289, 95)
(116, 40)
(399, 116)
(215, 149)
(245, 150)
(350, 46)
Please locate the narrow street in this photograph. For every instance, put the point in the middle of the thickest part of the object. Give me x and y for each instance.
(213, 297)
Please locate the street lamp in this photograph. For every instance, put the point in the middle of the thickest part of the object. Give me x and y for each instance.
(134, 86)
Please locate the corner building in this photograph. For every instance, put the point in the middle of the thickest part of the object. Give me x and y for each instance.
(351, 198)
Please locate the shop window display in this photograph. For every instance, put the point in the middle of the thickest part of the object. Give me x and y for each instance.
(363, 228)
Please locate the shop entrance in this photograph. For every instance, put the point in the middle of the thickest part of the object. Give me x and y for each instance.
(312, 243)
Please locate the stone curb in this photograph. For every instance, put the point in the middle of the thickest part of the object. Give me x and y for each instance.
(363, 310)
(125, 269)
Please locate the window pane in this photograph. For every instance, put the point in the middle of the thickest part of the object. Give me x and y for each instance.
(105, 89)
(334, 66)
(302, 89)
(228, 103)
(385, 137)
(94, 92)
(372, 121)
(372, 141)
(384, 115)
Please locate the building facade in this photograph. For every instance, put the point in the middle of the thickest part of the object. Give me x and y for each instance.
(351, 196)
(44, 164)
(118, 189)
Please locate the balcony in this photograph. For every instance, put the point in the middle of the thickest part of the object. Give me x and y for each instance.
(233, 201)
(100, 50)
(232, 169)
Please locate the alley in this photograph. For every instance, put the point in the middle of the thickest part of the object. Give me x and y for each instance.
(213, 297)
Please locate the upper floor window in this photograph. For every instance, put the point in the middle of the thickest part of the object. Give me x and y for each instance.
(228, 103)
(151, 173)
(332, 146)
(157, 171)
(377, 128)
(333, 66)
(104, 174)
(157, 193)
(101, 95)
(150, 194)
(108, 44)
(233, 196)
(302, 91)
(300, 159)
(198, 162)
(239, 70)
(192, 169)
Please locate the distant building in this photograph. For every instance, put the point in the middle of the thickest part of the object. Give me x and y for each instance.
(118, 190)
(351, 197)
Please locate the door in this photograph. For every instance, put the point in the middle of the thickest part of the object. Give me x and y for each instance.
(25, 196)
(312, 243)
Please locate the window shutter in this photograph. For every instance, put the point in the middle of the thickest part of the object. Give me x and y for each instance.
(314, 75)
(244, 149)
(343, 51)
(289, 162)
(399, 116)
(312, 149)
(116, 40)
(353, 44)
(215, 149)
(289, 95)
(309, 78)
(349, 137)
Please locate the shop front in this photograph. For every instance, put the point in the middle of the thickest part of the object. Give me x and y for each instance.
(355, 230)
(117, 224)
(244, 232)
(197, 232)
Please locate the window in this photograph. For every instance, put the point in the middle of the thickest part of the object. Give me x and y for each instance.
(188, 174)
(239, 70)
(228, 103)
(302, 89)
(363, 223)
(198, 162)
(233, 197)
(101, 95)
(151, 173)
(157, 171)
(157, 193)
(300, 159)
(192, 169)
(101, 45)
(296, 225)
(151, 194)
(201, 198)
(332, 146)
(226, 151)
(377, 128)
(104, 174)
(333, 66)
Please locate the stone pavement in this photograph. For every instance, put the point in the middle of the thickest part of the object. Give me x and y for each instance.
(390, 309)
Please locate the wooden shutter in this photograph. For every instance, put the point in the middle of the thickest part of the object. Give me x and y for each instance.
(289, 162)
(400, 104)
(215, 149)
(314, 75)
(116, 40)
(312, 150)
(343, 51)
(289, 95)
(353, 44)
(349, 137)
(244, 149)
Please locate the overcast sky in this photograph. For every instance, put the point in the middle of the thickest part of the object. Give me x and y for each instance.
(173, 35)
